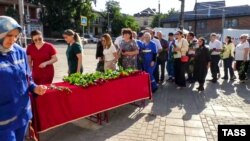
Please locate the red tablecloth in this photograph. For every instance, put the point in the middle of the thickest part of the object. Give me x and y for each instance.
(56, 108)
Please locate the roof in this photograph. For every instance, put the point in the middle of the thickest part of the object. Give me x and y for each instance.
(205, 5)
(210, 11)
(10, 2)
(146, 12)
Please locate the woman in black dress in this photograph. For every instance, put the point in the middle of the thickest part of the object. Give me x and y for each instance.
(201, 63)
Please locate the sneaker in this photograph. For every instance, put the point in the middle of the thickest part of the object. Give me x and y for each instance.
(201, 89)
(213, 80)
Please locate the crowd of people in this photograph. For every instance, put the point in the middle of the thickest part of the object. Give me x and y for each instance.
(186, 58)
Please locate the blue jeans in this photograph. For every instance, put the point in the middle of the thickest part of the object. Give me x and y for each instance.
(170, 68)
(16, 135)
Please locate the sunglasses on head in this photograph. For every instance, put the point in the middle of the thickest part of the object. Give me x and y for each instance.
(38, 39)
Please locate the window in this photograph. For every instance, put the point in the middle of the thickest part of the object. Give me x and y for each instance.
(231, 23)
(167, 25)
(173, 25)
(201, 24)
(145, 22)
(187, 25)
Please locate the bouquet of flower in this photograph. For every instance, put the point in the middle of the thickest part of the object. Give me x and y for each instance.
(97, 78)
(222, 51)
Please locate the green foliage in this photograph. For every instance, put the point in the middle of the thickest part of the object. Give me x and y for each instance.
(117, 19)
(155, 22)
(10, 11)
(98, 78)
(58, 15)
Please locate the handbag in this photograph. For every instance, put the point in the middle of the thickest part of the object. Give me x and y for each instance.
(185, 58)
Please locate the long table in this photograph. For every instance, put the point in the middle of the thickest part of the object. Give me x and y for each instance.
(56, 108)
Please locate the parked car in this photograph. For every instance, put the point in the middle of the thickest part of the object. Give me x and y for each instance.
(84, 40)
(91, 38)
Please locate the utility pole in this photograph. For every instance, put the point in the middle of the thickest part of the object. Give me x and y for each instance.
(181, 18)
(195, 20)
(21, 17)
(222, 23)
(159, 8)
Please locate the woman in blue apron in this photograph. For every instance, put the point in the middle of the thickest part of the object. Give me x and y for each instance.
(149, 52)
(15, 83)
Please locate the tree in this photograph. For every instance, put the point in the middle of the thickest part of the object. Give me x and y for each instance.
(117, 20)
(58, 15)
(161, 16)
(10, 11)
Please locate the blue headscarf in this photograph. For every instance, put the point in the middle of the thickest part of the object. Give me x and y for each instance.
(6, 25)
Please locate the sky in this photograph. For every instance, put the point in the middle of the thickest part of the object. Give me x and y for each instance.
(134, 6)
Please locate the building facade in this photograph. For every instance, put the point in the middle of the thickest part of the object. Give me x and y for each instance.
(31, 12)
(96, 27)
(145, 17)
(209, 17)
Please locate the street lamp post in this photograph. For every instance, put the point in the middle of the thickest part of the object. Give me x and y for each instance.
(21, 17)
(181, 18)
(222, 23)
(159, 8)
(109, 27)
(195, 19)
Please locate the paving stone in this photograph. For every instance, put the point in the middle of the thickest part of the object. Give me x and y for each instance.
(193, 123)
(173, 137)
(222, 113)
(160, 139)
(239, 115)
(176, 122)
(220, 108)
(175, 115)
(191, 138)
(174, 130)
(208, 112)
(235, 109)
(198, 132)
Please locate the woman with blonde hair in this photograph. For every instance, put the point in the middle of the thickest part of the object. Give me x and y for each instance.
(242, 57)
(109, 52)
(74, 51)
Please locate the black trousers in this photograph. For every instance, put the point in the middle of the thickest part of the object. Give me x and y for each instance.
(215, 66)
(179, 70)
(241, 70)
(227, 63)
(190, 68)
(157, 72)
(201, 78)
(246, 66)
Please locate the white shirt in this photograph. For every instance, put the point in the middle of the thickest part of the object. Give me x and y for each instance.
(158, 43)
(215, 44)
(239, 51)
(118, 41)
(109, 53)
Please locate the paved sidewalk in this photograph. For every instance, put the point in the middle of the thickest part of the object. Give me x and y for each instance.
(173, 115)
